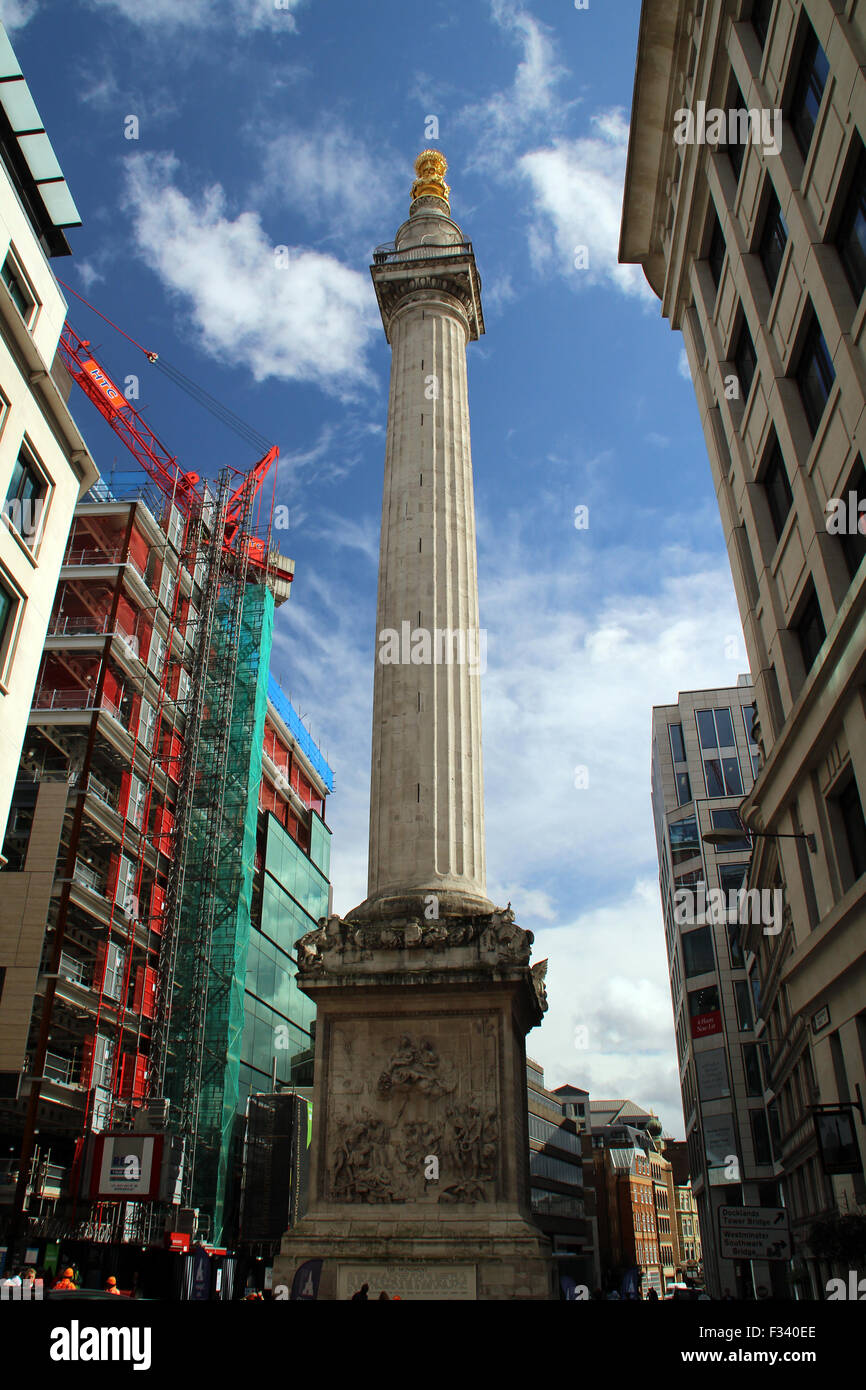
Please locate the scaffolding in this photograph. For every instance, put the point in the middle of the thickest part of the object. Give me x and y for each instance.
(200, 925)
(200, 1009)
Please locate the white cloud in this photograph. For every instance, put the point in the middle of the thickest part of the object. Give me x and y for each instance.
(16, 13)
(194, 14)
(609, 1025)
(88, 274)
(683, 367)
(501, 120)
(309, 319)
(577, 190)
(328, 176)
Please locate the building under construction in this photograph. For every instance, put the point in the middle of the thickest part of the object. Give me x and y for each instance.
(167, 847)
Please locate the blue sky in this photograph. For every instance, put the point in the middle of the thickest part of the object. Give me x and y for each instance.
(296, 125)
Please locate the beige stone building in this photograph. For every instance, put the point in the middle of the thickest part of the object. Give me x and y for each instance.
(44, 462)
(751, 229)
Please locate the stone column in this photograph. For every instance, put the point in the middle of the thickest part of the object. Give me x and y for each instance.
(427, 790)
(419, 1174)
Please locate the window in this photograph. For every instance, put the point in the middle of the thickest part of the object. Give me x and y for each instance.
(761, 11)
(744, 359)
(730, 820)
(852, 826)
(115, 962)
(25, 497)
(146, 724)
(815, 374)
(777, 489)
(698, 956)
(761, 1137)
(678, 752)
(135, 804)
(735, 148)
(716, 250)
(684, 840)
(809, 627)
(774, 239)
(19, 287)
(811, 80)
(853, 538)
(721, 763)
(744, 1006)
(752, 1068)
(851, 233)
(156, 654)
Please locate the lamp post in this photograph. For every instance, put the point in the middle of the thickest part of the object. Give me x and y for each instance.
(720, 838)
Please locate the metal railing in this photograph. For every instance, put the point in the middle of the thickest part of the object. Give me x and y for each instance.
(86, 559)
(76, 971)
(388, 254)
(77, 699)
(60, 1069)
(88, 878)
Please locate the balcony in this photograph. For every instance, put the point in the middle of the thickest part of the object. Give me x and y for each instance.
(387, 253)
(75, 971)
(73, 700)
(62, 1070)
(86, 559)
(89, 879)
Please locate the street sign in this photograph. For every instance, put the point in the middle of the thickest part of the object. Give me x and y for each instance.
(754, 1233)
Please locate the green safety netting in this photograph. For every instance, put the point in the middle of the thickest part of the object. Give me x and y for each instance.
(245, 704)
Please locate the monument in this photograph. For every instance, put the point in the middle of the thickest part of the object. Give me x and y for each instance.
(424, 993)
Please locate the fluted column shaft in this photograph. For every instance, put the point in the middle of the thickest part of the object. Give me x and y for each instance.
(427, 812)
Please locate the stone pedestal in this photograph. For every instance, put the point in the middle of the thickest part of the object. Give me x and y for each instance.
(420, 1159)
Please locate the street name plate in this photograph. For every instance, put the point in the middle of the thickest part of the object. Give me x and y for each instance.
(438, 1283)
(754, 1233)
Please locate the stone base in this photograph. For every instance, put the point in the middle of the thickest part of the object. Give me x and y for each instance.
(419, 1173)
(464, 1259)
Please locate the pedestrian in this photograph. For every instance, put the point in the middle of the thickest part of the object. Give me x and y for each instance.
(383, 1295)
(67, 1281)
(111, 1285)
(361, 1295)
(652, 1296)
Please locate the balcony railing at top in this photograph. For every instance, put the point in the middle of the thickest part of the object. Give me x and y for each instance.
(387, 253)
(61, 1069)
(73, 700)
(87, 558)
(87, 625)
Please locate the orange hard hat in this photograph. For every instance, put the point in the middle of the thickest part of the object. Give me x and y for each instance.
(68, 1274)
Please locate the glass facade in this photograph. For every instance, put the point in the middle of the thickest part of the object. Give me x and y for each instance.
(292, 896)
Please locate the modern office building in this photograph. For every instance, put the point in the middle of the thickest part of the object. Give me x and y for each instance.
(91, 849)
(44, 462)
(755, 242)
(704, 760)
(556, 1178)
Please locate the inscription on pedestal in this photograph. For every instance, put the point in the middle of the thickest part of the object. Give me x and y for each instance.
(440, 1282)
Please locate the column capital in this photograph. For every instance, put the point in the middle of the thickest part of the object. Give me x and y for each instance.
(450, 270)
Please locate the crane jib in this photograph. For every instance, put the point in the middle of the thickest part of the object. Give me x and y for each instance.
(107, 389)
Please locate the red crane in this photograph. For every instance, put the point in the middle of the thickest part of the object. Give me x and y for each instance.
(180, 487)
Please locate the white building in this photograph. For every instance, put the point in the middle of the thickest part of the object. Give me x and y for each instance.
(44, 463)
